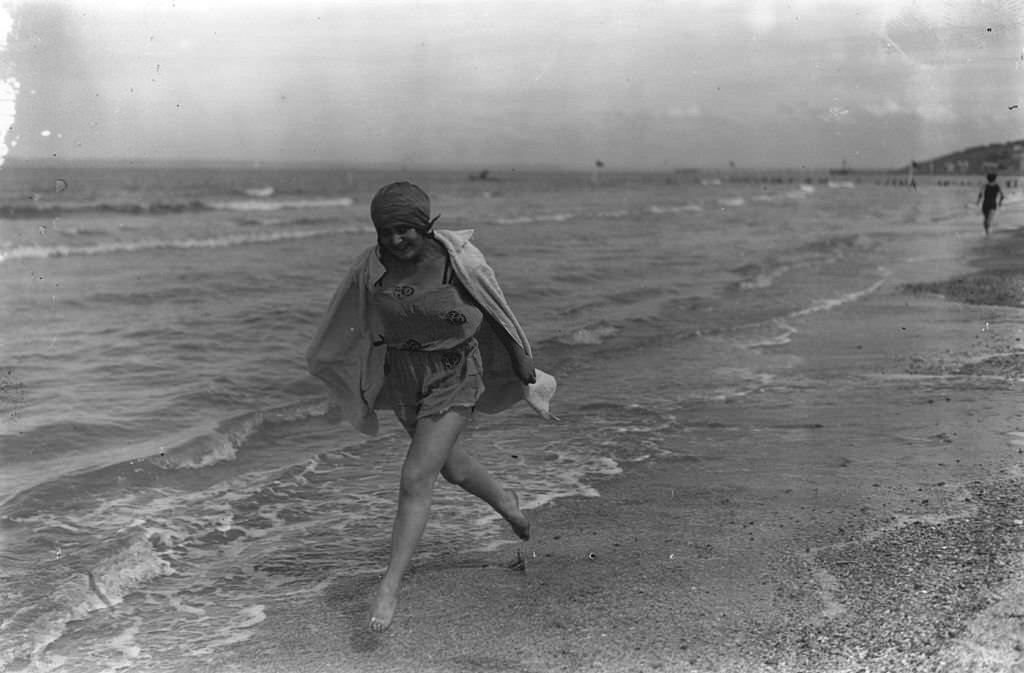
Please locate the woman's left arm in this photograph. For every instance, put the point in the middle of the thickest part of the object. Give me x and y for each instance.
(483, 277)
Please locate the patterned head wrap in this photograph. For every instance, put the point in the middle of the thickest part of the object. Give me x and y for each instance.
(401, 203)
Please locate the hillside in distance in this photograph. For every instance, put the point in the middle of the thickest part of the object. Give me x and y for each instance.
(1007, 157)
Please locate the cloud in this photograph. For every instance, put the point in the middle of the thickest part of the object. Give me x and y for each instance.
(535, 81)
(691, 111)
(885, 108)
(936, 112)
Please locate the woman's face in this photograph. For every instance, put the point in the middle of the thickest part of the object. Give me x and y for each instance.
(401, 241)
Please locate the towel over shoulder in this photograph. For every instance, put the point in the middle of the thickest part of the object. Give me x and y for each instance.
(344, 356)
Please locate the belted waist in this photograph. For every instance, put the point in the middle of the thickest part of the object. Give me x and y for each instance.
(449, 357)
(412, 345)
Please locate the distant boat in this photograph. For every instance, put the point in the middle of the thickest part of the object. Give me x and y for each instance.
(482, 175)
(259, 192)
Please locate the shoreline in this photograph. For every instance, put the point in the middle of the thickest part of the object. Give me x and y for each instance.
(876, 526)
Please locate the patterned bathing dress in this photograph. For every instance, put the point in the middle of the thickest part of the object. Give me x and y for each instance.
(433, 360)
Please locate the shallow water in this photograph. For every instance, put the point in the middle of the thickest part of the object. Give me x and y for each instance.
(167, 466)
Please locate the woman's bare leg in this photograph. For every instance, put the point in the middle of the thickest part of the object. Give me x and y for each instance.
(463, 470)
(432, 442)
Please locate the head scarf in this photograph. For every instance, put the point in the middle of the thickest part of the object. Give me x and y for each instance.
(401, 203)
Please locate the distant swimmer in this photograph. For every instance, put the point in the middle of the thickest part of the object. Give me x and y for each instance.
(990, 197)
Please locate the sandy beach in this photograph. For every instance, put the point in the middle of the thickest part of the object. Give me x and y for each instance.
(876, 527)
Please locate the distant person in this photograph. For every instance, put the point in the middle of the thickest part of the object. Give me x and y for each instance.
(419, 325)
(990, 197)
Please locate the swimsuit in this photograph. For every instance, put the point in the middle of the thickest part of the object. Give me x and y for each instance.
(342, 352)
(991, 193)
(433, 360)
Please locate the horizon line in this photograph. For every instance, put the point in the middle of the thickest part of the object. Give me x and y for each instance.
(392, 166)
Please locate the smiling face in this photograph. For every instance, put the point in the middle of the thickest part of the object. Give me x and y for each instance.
(403, 242)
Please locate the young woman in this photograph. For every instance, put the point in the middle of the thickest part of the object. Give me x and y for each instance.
(420, 325)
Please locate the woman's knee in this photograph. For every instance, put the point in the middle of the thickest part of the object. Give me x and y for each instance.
(457, 469)
(454, 475)
(416, 482)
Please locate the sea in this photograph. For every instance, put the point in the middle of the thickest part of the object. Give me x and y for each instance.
(167, 467)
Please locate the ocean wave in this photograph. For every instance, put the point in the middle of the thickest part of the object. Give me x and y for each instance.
(204, 450)
(591, 335)
(144, 245)
(611, 214)
(829, 304)
(122, 566)
(760, 278)
(547, 217)
(231, 435)
(36, 208)
(257, 221)
(684, 208)
(838, 246)
(49, 437)
(264, 204)
(773, 333)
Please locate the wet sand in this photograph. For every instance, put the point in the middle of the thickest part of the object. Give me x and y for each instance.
(874, 524)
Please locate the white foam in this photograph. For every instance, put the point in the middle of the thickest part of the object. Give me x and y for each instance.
(43, 252)
(262, 205)
(124, 644)
(176, 603)
(237, 630)
(765, 279)
(75, 596)
(589, 336)
(829, 304)
(781, 337)
(684, 208)
(548, 217)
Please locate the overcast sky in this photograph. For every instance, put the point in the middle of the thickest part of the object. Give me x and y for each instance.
(636, 84)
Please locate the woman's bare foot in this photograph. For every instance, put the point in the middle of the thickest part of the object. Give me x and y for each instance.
(383, 610)
(520, 524)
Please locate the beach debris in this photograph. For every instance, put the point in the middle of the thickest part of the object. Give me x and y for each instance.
(520, 561)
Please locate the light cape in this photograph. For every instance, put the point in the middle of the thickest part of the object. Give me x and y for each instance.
(343, 355)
